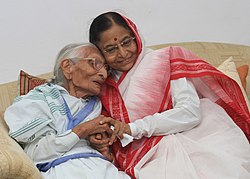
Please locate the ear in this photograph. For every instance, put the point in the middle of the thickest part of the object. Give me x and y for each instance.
(66, 66)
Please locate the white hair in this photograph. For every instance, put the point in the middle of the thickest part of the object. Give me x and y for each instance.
(70, 51)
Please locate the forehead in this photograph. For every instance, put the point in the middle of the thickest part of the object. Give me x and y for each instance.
(115, 33)
(90, 51)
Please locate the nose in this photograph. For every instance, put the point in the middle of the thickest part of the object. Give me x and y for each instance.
(122, 51)
(103, 73)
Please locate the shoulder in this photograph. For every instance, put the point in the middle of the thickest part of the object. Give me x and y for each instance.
(41, 92)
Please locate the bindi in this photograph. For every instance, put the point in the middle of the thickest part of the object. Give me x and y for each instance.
(115, 39)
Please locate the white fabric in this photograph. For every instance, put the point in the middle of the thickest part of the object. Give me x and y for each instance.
(184, 116)
(54, 141)
(126, 138)
(214, 147)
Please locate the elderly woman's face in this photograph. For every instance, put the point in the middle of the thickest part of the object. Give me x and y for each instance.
(88, 74)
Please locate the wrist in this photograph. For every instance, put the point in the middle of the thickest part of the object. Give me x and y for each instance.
(80, 131)
(133, 129)
(128, 130)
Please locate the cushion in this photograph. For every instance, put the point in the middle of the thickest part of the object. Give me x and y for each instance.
(243, 72)
(228, 67)
(27, 82)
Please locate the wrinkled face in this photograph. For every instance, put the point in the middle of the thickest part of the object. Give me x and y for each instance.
(119, 48)
(85, 77)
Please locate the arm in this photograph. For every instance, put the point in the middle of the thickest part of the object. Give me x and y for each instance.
(50, 145)
(184, 116)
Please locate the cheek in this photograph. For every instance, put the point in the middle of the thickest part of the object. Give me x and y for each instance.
(135, 51)
(109, 60)
(80, 78)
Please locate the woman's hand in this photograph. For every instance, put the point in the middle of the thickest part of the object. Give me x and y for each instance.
(120, 128)
(100, 142)
(93, 126)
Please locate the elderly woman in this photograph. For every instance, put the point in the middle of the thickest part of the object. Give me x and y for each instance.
(54, 120)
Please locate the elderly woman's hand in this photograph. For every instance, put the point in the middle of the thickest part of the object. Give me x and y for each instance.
(93, 126)
(100, 142)
(120, 128)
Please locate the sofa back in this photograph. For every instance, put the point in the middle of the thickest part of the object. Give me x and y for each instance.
(215, 53)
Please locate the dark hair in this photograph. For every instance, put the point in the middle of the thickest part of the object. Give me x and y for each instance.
(104, 22)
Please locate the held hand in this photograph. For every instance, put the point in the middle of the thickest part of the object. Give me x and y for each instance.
(119, 128)
(100, 142)
(91, 127)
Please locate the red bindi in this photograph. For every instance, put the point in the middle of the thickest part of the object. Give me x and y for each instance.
(115, 39)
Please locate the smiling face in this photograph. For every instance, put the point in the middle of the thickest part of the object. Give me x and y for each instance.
(82, 78)
(124, 56)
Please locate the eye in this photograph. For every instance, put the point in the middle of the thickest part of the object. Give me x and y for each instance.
(127, 42)
(91, 63)
(98, 64)
(110, 49)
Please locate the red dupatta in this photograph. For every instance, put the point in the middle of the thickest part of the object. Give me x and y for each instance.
(166, 64)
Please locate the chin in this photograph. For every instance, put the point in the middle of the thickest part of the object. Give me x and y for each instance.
(96, 92)
(127, 67)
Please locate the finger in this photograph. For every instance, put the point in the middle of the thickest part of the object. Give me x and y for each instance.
(96, 139)
(117, 128)
(104, 141)
(101, 143)
(112, 139)
(101, 146)
(98, 136)
(99, 128)
(93, 140)
(109, 131)
(120, 134)
(107, 120)
(110, 157)
(121, 131)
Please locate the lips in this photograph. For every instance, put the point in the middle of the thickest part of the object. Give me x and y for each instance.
(99, 82)
(125, 61)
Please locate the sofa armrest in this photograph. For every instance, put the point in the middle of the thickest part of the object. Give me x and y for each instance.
(14, 161)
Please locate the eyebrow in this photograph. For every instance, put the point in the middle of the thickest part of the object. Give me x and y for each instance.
(111, 45)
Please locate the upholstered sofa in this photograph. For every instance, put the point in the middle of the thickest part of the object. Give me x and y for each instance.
(16, 164)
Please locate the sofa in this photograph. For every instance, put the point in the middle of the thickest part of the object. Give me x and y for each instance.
(16, 164)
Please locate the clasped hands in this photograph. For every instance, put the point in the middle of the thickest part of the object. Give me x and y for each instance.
(100, 135)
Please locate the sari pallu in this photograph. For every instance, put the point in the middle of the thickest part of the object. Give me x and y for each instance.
(141, 93)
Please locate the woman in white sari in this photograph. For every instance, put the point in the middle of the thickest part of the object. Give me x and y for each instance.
(53, 120)
(183, 114)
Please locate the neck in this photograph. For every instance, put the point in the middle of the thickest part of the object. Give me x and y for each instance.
(75, 91)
